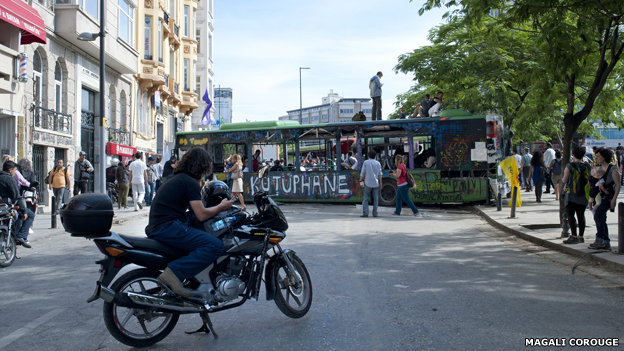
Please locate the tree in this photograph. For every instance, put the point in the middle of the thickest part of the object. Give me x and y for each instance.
(580, 44)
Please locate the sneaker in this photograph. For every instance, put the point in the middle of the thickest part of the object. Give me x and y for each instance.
(395, 214)
(126, 208)
(595, 243)
(572, 240)
(418, 215)
(364, 216)
(140, 206)
(24, 243)
(602, 246)
(581, 239)
(135, 210)
(547, 192)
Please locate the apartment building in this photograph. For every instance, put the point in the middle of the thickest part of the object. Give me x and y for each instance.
(204, 76)
(333, 109)
(166, 90)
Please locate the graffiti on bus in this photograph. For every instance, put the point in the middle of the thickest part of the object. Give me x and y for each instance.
(306, 185)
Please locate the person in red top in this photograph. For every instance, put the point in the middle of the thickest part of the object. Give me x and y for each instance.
(402, 188)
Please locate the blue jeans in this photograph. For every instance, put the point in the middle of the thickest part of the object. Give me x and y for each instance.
(24, 226)
(600, 217)
(367, 194)
(204, 248)
(149, 192)
(403, 195)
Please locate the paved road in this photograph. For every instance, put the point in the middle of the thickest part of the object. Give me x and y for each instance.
(444, 282)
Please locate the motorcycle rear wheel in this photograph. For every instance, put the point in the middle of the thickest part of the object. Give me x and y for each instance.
(294, 300)
(147, 327)
(8, 252)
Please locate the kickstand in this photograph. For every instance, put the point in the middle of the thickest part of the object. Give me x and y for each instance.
(208, 323)
(204, 328)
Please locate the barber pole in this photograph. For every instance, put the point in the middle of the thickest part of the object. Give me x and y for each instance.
(23, 67)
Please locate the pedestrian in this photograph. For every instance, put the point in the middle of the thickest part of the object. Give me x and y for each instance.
(82, 173)
(402, 113)
(150, 171)
(350, 162)
(277, 167)
(526, 169)
(159, 171)
(556, 170)
(603, 157)
(536, 163)
(575, 178)
(138, 178)
(170, 222)
(402, 193)
(8, 190)
(168, 168)
(228, 176)
(549, 156)
(123, 179)
(256, 159)
(370, 179)
(24, 166)
(111, 171)
(375, 93)
(422, 108)
(58, 180)
(17, 176)
(519, 163)
(237, 179)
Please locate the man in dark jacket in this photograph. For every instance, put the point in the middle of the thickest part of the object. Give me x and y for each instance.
(168, 168)
(8, 190)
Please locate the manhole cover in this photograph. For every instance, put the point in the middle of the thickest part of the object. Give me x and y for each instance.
(540, 226)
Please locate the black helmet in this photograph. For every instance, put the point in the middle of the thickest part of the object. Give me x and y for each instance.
(214, 192)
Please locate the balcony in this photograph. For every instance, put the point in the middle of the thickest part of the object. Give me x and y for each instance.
(174, 98)
(176, 88)
(164, 89)
(118, 136)
(174, 39)
(189, 102)
(52, 120)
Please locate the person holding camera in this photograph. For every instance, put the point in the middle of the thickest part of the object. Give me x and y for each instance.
(82, 173)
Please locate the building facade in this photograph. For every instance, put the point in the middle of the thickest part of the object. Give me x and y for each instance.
(204, 78)
(333, 109)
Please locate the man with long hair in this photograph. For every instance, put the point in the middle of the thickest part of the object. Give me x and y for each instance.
(170, 223)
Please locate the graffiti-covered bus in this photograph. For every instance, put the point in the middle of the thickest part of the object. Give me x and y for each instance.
(467, 148)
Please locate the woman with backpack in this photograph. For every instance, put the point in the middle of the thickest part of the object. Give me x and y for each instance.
(556, 170)
(575, 178)
(612, 185)
(402, 192)
(536, 163)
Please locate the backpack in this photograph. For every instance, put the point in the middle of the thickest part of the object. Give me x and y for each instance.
(410, 180)
(556, 168)
(577, 183)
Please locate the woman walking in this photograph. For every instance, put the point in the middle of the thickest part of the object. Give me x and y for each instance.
(536, 162)
(237, 179)
(612, 185)
(402, 193)
(557, 175)
(123, 178)
(575, 177)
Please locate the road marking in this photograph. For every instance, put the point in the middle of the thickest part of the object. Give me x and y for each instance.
(29, 327)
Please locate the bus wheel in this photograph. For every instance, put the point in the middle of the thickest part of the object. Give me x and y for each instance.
(388, 193)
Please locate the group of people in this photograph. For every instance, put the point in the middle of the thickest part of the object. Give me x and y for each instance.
(13, 178)
(143, 178)
(590, 180)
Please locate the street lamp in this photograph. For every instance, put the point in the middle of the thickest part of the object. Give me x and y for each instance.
(300, 95)
(102, 124)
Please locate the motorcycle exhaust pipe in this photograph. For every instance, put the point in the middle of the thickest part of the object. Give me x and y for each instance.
(164, 302)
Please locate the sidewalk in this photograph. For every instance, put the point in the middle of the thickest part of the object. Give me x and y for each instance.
(539, 223)
(42, 225)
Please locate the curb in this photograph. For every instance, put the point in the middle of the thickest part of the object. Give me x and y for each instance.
(131, 217)
(550, 245)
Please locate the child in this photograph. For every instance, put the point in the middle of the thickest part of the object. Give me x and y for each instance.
(595, 187)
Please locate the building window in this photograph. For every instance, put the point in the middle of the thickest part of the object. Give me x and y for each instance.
(172, 71)
(37, 79)
(186, 21)
(315, 118)
(126, 21)
(123, 121)
(145, 118)
(92, 7)
(172, 7)
(186, 75)
(58, 87)
(112, 107)
(304, 120)
(160, 41)
(198, 38)
(210, 46)
(325, 118)
(194, 21)
(148, 38)
(194, 73)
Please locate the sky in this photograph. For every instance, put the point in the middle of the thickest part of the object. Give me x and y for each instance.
(259, 46)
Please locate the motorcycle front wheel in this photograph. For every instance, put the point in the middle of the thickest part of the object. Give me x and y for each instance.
(8, 248)
(138, 327)
(293, 298)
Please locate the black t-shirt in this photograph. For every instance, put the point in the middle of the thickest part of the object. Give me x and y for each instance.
(426, 105)
(167, 169)
(110, 174)
(277, 169)
(172, 200)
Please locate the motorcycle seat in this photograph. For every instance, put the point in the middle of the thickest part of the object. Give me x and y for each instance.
(154, 245)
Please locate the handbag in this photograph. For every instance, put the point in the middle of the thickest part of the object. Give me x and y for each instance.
(84, 175)
(410, 180)
(544, 174)
(238, 174)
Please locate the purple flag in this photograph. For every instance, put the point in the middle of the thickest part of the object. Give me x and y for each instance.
(206, 118)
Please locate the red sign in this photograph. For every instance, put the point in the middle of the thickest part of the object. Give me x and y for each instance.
(121, 150)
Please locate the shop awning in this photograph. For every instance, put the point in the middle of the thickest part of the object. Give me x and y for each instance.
(24, 17)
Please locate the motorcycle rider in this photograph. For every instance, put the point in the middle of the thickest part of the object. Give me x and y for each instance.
(170, 223)
(8, 190)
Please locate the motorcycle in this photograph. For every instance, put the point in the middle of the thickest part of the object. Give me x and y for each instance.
(9, 215)
(140, 310)
(111, 191)
(30, 195)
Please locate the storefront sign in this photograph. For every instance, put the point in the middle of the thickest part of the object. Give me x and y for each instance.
(121, 150)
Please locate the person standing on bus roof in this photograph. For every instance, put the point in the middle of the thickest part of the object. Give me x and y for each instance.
(375, 93)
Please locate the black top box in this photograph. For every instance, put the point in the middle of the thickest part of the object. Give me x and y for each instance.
(88, 215)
